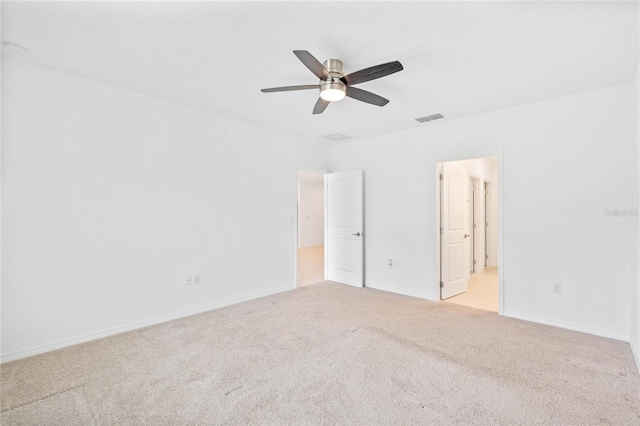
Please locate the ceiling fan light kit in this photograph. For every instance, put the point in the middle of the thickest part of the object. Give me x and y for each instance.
(332, 91)
(334, 85)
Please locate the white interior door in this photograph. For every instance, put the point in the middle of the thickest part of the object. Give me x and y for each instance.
(344, 246)
(453, 202)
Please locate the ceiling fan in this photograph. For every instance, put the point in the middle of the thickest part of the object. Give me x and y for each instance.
(334, 85)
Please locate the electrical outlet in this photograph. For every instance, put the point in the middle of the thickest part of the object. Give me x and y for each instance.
(557, 288)
(188, 280)
(196, 279)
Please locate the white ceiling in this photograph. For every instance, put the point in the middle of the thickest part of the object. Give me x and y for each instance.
(460, 58)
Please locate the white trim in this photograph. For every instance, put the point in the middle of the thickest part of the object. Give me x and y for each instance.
(569, 326)
(488, 225)
(400, 292)
(474, 216)
(325, 255)
(439, 172)
(499, 187)
(47, 347)
(636, 356)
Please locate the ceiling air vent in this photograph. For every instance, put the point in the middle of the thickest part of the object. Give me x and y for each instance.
(336, 137)
(429, 118)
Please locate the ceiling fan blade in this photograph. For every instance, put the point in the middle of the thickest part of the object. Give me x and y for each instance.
(321, 105)
(289, 88)
(364, 96)
(372, 73)
(313, 64)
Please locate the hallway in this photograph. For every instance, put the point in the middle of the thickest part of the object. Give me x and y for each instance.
(482, 291)
(310, 265)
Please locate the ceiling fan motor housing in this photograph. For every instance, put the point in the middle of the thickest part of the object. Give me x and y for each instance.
(334, 89)
(334, 66)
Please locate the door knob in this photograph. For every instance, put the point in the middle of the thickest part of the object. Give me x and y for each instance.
(356, 234)
(466, 235)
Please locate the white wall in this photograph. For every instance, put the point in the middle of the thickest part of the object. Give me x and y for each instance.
(635, 249)
(311, 212)
(554, 224)
(110, 197)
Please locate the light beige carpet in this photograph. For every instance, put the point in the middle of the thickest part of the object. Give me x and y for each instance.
(330, 354)
(482, 291)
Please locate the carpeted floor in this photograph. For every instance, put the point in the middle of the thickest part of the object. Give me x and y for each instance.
(330, 354)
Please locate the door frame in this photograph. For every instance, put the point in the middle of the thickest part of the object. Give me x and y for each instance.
(499, 219)
(474, 212)
(488, 226)
(295, 219)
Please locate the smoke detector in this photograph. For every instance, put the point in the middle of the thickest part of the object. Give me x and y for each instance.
(14, 48)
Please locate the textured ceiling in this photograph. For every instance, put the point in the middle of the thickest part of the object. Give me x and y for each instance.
(460, 58)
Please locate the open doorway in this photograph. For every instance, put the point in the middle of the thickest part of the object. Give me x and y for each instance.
(467, 226)
(311, 227)
(329, 241)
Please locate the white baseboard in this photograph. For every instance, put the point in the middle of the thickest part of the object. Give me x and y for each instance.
(403, 293)
(636, 355)
(47, 347)
(569, 326)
